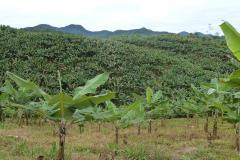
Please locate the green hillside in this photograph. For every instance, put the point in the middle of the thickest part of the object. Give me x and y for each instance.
(167, 62)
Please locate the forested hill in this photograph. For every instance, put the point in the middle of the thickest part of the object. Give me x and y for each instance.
(80, 30)
(168, 62)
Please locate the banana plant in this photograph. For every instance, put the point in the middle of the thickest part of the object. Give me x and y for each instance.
(42, 111)
(153, 103)
(211, 97)
(64, 104)
(215, 93)
(21, 96)
(203, 101)
(232, 37)
(96, 114)
(3, 102)
(189, 108)
(81, 98)
(132, 114)
(124, 116)
(161, 111)
(233, 116)
(100, 116)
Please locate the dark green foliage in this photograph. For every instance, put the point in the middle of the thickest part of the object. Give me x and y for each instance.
(167, 62)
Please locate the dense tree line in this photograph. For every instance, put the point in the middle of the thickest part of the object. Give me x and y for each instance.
(167, 62)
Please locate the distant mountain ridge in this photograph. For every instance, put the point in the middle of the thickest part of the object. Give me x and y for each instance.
(79, 29)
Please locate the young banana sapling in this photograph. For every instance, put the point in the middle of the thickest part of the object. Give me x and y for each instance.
(154, 103)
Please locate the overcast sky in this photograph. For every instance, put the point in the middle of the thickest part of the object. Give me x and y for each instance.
(159, 15)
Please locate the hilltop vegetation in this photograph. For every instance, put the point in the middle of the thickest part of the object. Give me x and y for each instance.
(80, 30)
(168, 62)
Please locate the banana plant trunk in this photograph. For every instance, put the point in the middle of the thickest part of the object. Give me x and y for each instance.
(215, 128)
(237, 143)
(62, 134)
(99, 126)
(21, 121)
(197, 121)
(206, 125)
(81, 128)
(2, 117)
(27, 120)
(139, 129)
(188, 120)
(116, 134)
(150, 126)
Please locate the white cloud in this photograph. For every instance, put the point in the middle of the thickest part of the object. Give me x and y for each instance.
(168, 15)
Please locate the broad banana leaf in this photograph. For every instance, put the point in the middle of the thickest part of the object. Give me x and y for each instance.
(63, 102)
(103, 115)
(91, 85)
(85, 101)
(134, 106)
(190, 107)
(215, 86)
(233, 81)
(9, 89)
(232, 117)
(85, 114)
(27, 85)
(160, 111)
(232, 37)
(78, 118)
(116, 112)
(133, 114)
(67, 105)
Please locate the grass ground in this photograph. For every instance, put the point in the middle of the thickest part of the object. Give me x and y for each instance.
(179, 139)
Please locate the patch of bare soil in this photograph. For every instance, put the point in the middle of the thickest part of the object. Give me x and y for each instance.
(85, 158)
(21, 133)
(182, 151)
